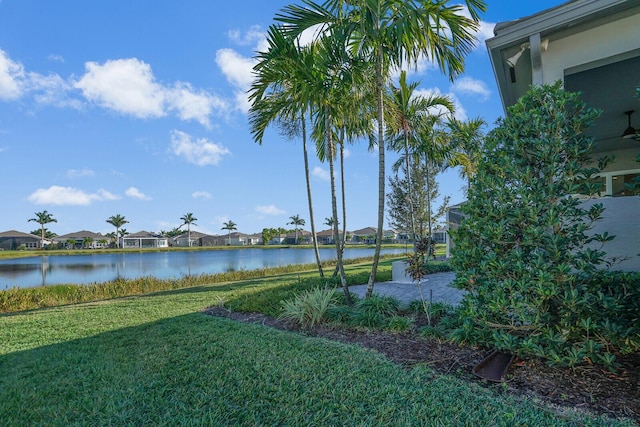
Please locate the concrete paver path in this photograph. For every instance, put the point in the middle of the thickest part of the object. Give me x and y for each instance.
(438, 283)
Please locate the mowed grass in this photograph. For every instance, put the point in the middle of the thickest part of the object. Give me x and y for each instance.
(157, 360)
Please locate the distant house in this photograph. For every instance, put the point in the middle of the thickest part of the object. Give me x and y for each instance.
(365, 235)
(82, 239)
(304, 238)
(439, 235)
(325, 237)
(277, 239)
(144, 239)
(241, 239)
(389, 236)
(12, 240)
(593, 47)
(197, 239)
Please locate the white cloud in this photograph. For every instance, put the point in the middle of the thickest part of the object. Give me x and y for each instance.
(105, 195)
(238, 69)
(134, 193)
(201, 195)
(15, 83)
(79, 173)
(269, 210)
(123, 85)
(12, 77)
(193, 105)
(485, 32)
(128, 86)
(55, 58)
(459, 113)
(51, 89)
(61, 196)
(485, 29)
(253, 36)
(201, 152)
(320, 173)
(468, 85)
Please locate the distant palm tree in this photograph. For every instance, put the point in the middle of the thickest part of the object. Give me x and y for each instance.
(43, 218)
(87, 241)
(117, 221)
(187, 220)
(328, 221)
(296, 221)
(229, 226)
(467, 139)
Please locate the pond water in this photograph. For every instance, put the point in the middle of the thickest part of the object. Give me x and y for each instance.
(44, 270)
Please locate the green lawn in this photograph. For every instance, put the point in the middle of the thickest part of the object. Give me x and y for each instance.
(156, 360)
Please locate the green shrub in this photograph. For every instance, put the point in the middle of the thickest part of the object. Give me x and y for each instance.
(399, 323)
(436, 332)
(524, 252)
(341, 314)
(373, 312)
(309, 308)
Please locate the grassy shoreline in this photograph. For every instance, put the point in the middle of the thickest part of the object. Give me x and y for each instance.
(18, 299)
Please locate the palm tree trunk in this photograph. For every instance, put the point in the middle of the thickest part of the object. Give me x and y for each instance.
(426, 158)
(309, 198)
(381, 173)
(334, 210)
(343, 241)
(409, 191)
(344, 197)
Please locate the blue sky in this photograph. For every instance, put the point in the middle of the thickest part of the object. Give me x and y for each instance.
(138, 108)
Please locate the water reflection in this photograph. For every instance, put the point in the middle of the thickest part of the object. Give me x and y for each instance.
(97, 268)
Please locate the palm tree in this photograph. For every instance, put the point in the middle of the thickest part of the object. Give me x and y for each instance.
(123, 232)
(117, 221)
(390, 33)
(187, 220)
(43, 218)
(405, 115)
(296, 221)
(467, 138)
(230, 226)
(276, 95)
(87, 242)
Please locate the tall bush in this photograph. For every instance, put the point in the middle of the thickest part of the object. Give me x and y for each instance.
(524, 252)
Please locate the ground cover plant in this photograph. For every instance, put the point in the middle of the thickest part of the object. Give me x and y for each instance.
(158, 360)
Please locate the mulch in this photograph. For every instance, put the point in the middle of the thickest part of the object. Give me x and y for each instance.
(587, 387)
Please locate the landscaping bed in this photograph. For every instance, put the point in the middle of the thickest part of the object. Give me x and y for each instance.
(590, 388)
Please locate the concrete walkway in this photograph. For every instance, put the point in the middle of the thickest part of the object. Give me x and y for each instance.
(406, 292)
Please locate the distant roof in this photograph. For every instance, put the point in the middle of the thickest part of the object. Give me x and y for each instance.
(195, 235)
(83, 234)
(143, 234)
(14, 233)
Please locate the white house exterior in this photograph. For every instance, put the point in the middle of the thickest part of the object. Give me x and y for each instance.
(83, 239)
(144, 239)
(592, 46)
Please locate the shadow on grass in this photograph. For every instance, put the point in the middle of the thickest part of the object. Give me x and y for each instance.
(203, 370)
